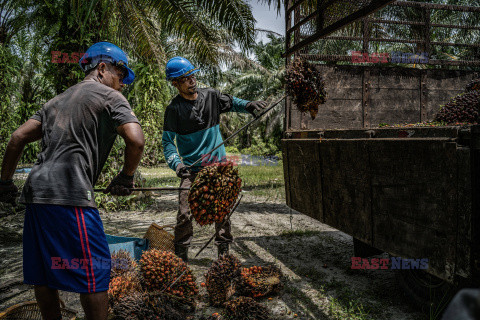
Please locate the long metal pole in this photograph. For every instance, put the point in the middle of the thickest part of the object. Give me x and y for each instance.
(150, 189)
(239, 130)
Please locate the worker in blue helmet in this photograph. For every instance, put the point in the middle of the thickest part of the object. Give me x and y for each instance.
(64, 245)
(191, 129)
(109, 53)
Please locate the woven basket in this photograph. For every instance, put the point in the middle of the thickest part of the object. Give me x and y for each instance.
(31, 311)
(159, 237)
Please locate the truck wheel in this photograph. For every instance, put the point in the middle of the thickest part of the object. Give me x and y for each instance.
(429, 293)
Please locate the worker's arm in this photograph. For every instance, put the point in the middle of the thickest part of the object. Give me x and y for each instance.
(135, 142)
(170, 150)
(122, 184)
(230, 103)
(28, 132)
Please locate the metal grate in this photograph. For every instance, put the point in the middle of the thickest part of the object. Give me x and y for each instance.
(330, 30)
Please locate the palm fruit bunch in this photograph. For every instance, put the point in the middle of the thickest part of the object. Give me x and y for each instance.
(464, 108)
(122, 263)
(159, 269)
(245, 308)
(121, 286)
(134, 307)
(307, 87)
(218, 279)
(259, 281)
(214, 192)
(473, 85)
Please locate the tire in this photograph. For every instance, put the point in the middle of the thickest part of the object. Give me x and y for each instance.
(428, 292)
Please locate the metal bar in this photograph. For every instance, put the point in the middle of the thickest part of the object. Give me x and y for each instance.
(374, 6)
(326, 57)
(413, 23)
(221, 226)
(288, 23)
(436, 6)
(426, 30)
(372, 39)
(239, 130)
(436, 43)
(149, 189)
(452, 26)
(294, 6)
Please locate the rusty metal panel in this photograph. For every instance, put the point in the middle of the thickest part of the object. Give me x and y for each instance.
(346, 191)
(304, 177)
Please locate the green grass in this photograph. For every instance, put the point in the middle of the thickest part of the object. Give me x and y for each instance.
(264, 181)
(259, 181)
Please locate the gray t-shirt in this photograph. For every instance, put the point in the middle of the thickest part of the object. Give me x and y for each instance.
(78, 132)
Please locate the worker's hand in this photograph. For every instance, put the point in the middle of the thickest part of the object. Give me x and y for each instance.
(183, 171)
(255, 106)
(121, 185)
(8, 192)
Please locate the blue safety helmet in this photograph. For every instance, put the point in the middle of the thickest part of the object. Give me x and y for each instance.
(179, 67)
(107, 52)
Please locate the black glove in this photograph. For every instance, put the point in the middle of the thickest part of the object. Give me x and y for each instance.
(8, 192)
(121, 185)
(183, 171)
(255, 106)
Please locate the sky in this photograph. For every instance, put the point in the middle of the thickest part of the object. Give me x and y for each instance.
(267, 18)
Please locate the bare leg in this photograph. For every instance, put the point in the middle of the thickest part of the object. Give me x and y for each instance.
(95, 305)
(49, 302)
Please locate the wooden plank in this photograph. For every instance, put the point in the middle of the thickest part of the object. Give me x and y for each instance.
(346, 191)
(402, 239)
(304, 177)
(416, 182)
(464, 209)
(286, 171)
(394, 106)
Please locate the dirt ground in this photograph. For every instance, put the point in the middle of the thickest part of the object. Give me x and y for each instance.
(314, 257)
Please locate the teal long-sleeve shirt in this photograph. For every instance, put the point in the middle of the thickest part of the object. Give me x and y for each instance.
(192, 128)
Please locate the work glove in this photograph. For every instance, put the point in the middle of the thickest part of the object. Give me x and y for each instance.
(8, 192)
(183, 171)
(121, 185)
(255, 106)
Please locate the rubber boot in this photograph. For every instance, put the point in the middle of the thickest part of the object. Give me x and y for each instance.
(182, 253)
(222, 249)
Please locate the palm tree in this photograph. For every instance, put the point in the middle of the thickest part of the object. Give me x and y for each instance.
(261, 80)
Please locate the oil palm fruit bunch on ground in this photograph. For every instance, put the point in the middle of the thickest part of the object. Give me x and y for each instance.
(245, 308)
(259, 281)
(463, 108)
(218, 279)
(121, 286)
(160, 269)
(122, 262)
(134, 307)
(473, 85)
(306, 86)
(214, 192)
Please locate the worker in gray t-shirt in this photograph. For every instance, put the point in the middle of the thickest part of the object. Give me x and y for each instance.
(64, 244)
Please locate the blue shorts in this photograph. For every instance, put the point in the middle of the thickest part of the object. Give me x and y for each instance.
(65, 248)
